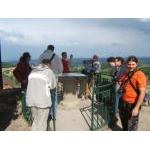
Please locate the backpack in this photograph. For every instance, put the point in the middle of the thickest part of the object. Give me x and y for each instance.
(16, 73)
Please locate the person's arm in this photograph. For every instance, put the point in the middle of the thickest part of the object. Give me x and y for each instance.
(60, 65)
(136, 109)
(141, 82)
(52, 80)
(70, 60)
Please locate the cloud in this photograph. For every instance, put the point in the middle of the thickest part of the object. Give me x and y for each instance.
(144, 19)
(11, 37)
(64, 32)
(106, 36)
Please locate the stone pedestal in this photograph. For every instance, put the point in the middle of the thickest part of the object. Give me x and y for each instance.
(73, 85)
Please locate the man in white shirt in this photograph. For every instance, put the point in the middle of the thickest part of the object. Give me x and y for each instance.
(57, 68)
(38, 97)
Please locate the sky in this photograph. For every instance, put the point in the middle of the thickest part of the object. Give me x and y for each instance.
(81, 37)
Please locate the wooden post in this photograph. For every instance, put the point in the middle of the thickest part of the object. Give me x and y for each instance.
(1, 78)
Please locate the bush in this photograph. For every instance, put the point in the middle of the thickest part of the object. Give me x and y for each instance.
(146, 70)
(7, 65)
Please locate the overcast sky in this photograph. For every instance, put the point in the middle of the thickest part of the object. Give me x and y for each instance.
(80, 37)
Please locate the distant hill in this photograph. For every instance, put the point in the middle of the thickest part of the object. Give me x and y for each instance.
(76, 61)
(7, 64)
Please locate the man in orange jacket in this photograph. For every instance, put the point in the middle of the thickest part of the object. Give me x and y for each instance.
(133, 88)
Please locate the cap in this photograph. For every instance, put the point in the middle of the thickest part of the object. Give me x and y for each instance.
(95, 57)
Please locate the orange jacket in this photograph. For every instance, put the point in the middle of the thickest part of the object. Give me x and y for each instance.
(139, 81)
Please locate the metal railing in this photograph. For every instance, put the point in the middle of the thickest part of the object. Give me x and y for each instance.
(103, 101)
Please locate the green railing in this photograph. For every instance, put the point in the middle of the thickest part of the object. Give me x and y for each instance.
(25, 110)
(103, 102)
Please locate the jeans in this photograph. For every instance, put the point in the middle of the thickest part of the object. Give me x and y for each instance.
(117, 98)
(54, 103)
(129, 122)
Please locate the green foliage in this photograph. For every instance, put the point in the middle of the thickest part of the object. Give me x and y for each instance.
(146, 70)
(105, 69)
(77, 69)
(7, 65)
(8, 75)
(104, 66)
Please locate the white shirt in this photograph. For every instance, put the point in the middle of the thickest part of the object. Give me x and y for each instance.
(40, 81)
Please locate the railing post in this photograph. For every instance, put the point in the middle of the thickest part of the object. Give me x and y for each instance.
(1, 77)
(92, 112)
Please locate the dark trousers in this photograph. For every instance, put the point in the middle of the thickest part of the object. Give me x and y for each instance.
(54, 103)
(129, 123)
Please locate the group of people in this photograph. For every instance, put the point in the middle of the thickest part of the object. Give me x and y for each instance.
(58, 65)
(131, 90)
(40, 84)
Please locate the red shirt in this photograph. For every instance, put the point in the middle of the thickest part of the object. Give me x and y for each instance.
(65, 66)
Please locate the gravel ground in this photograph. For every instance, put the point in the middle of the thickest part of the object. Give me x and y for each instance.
(69, 118)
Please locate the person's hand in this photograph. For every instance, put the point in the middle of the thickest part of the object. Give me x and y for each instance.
(71, 56)
(135, 112)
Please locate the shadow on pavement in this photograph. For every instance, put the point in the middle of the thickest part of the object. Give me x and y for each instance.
(8, 107)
